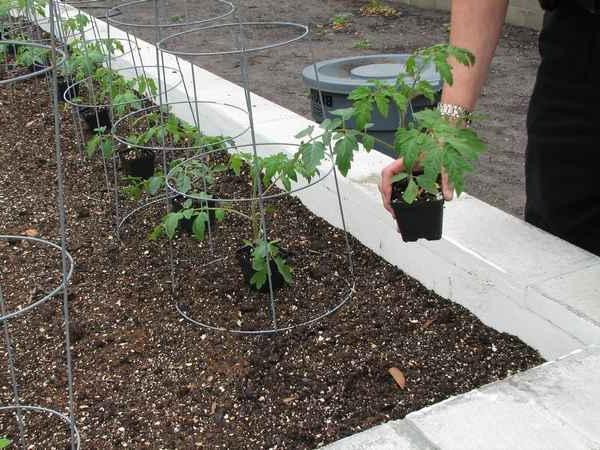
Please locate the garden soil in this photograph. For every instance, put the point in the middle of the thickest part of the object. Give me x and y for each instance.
(146, 378)
(499, 178)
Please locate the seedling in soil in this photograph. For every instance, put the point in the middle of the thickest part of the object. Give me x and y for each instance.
(32, 56)
(341, 22)
(430, 146)
(191, 213)
(363, 44)
(5, 442)
(100, 141)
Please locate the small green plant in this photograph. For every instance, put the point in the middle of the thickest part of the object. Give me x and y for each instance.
(5, 442)
(193, 178)
(340, 22)
(363, 44)
(29, 56)
(429, 143)
(100, 141)
(259, 251)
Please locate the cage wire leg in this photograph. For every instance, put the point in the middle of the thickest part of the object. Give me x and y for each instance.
(12, 373)
(157, 34)
(261, 202)
(62, 232)
(332, 158)
(113, 157)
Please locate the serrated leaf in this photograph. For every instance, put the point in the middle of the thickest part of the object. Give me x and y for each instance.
(368, 142)
(283, 269)
(306, 132)
(313, 154)
(345, 113)
(199, 226)
(259, 279)
(235, 162)
(399, 177)
(344, 153)
(411, 192)
(171, 223)
(383, 104)
(154, 184)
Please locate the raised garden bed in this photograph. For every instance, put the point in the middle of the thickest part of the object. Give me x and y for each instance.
(146, 378)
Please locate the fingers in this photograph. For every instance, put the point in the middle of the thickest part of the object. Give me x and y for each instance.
(385, 187)
(447, 187)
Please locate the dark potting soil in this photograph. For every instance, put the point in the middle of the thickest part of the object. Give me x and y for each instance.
(145, 378)
(499, 178)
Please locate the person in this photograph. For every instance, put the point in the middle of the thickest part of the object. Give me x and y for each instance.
(563, 122)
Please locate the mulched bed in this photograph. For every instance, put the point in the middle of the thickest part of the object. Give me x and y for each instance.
(145, 378)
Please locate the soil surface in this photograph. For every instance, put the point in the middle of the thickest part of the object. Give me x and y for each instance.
(146, 378)
(499, 178)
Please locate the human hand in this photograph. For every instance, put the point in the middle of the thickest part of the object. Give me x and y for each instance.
(393, 169)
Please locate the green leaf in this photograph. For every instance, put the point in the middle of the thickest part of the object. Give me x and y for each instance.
(368, 142)
(364, 113)
(187, 213)
(4, 442)
(219, 214)
(184, 184)
(171, 223)
(411, 192)
(107, 148)
(155, 184)
(360, 93)
(283, 269)
(344, 153)
(312, 154)
(428, 183)
(306, 132)
(199, 226)
(383, 103)
(156, 232)
(399, 177)
(92, 145)
(259, 279)
(444, 69)
(235, 162)
(345, 113)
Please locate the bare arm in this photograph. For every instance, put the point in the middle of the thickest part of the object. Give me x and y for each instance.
(476, 25)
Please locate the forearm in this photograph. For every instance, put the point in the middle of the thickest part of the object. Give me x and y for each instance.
(476, 26)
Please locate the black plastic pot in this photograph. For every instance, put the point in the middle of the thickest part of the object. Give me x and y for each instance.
(140, 167)
(89, 116)
(244, 256)
(422, 219)
(188, 224)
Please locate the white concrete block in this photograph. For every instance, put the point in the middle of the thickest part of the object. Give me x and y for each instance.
(389, 436)
(568, 389)
(579, 291)
(498, 417)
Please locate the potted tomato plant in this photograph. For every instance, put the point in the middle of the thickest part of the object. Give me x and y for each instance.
(430, 145)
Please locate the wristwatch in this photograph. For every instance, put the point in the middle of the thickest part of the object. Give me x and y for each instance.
(456, 113)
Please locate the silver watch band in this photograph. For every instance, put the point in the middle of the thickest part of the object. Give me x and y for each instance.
(455, 112)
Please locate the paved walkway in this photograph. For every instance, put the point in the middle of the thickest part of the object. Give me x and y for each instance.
(554, 406)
